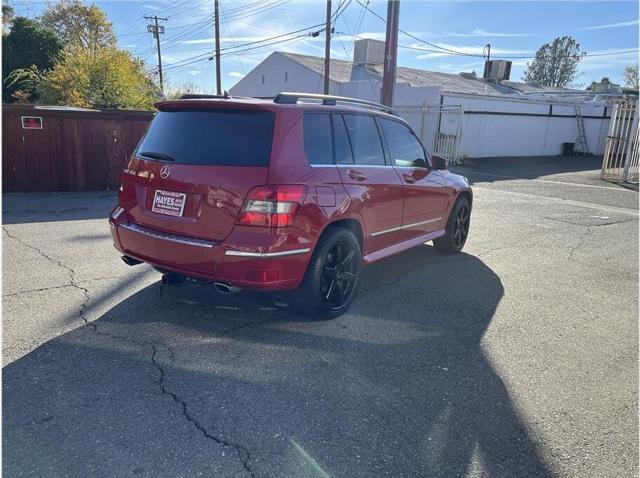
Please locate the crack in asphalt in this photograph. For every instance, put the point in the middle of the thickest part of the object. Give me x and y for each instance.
(42, 289)
(70, 271)
(86, 281)
(242, 451)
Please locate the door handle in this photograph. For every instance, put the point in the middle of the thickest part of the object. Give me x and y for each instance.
(409, 179)
(356, 175)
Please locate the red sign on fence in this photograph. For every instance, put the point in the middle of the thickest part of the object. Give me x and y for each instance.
(31, 122)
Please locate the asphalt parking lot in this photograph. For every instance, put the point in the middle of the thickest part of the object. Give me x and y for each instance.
(518, 357)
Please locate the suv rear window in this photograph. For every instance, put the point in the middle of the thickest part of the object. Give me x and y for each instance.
(317, 138)
(210, 137)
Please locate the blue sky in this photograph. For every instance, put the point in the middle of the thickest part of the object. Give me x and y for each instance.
(513, 28)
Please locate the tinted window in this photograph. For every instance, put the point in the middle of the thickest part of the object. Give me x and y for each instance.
(343, 148)
(211, 137)
(404, 147)
(365, 140)
(317, 138)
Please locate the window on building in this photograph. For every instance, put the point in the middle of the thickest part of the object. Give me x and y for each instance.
(404, 147)
(343, 152)
(286, 76)
(317, 138)
(263, 79)
(365, 140)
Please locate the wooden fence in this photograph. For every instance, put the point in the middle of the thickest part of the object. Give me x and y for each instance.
(67, 149)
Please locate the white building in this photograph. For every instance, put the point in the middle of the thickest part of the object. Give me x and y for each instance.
(483, 117)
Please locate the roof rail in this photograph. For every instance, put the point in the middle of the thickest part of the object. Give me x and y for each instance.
(288, 98)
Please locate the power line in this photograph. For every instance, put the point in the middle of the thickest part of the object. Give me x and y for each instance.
(517, 57)
(235, 50)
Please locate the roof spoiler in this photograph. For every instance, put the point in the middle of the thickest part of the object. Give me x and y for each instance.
(195, 96)
(288, 98)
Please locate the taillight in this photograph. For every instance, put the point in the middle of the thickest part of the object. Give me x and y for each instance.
(272, 206)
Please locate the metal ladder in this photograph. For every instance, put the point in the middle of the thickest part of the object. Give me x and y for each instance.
(581, 145)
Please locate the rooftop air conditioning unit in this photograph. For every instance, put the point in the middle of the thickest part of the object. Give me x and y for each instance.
(368, 52)
(497, 70)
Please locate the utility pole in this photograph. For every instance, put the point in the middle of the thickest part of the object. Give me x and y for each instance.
(486, 50)
(157, 30)
(217, 55)
(327, 48)
(390, 52)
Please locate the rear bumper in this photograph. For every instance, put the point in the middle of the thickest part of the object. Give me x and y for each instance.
(254, 259)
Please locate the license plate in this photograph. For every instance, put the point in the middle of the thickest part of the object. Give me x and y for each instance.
(169, 203)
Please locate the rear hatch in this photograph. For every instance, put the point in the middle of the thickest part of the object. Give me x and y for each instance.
(192, 170)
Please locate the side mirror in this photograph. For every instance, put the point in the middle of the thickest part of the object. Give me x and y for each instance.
(438, 163)
(419, 163)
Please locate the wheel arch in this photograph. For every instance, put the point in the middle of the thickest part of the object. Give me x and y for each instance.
(467, 194)
(351, 224)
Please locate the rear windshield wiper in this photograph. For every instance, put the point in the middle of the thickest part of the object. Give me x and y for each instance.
(154, 155)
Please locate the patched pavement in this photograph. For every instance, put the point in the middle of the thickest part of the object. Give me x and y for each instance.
(516, 358)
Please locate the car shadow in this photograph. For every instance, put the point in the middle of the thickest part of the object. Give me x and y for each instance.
(164, 384)
(506, 169)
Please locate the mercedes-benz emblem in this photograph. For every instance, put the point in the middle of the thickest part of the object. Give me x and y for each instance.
(165, 171)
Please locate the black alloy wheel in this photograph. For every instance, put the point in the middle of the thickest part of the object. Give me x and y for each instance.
(461, 226)
(339, 275)
(457, 228)
(331, 280)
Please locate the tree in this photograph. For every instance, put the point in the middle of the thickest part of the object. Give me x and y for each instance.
(631, 77)
(7, 16)
(555, 64)
(184, 88)
(79, 25)
(27, 45)
(604, 81)
(106, 78)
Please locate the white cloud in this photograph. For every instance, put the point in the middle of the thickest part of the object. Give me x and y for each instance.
(612, 25)
(478, 32)
(195, 72)
(236, 74)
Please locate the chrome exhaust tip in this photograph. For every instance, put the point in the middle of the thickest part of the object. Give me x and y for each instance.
(225, 288)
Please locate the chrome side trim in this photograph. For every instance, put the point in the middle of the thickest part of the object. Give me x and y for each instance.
(351, 166)
(266, 254)
(168, 237)
(407, 226)
(386, 231)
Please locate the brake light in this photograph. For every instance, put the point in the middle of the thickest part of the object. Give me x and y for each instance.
(272, 206)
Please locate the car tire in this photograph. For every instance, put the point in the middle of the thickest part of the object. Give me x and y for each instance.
(457, 228)
(331, 279)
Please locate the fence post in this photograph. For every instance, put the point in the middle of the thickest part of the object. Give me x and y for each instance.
(608, 144)
(631, 139)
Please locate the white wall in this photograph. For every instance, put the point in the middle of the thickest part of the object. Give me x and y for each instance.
(274, 67)
(483, 135)
(487, 135)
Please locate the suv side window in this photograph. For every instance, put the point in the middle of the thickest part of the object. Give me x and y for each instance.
(404, 147)
(365, 140)
(318, 145)
(344, 155)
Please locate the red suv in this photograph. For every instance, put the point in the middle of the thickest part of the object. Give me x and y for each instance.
(291, 193)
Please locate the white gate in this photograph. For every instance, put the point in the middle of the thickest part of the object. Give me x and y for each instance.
(622, 151)
(439, 128)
